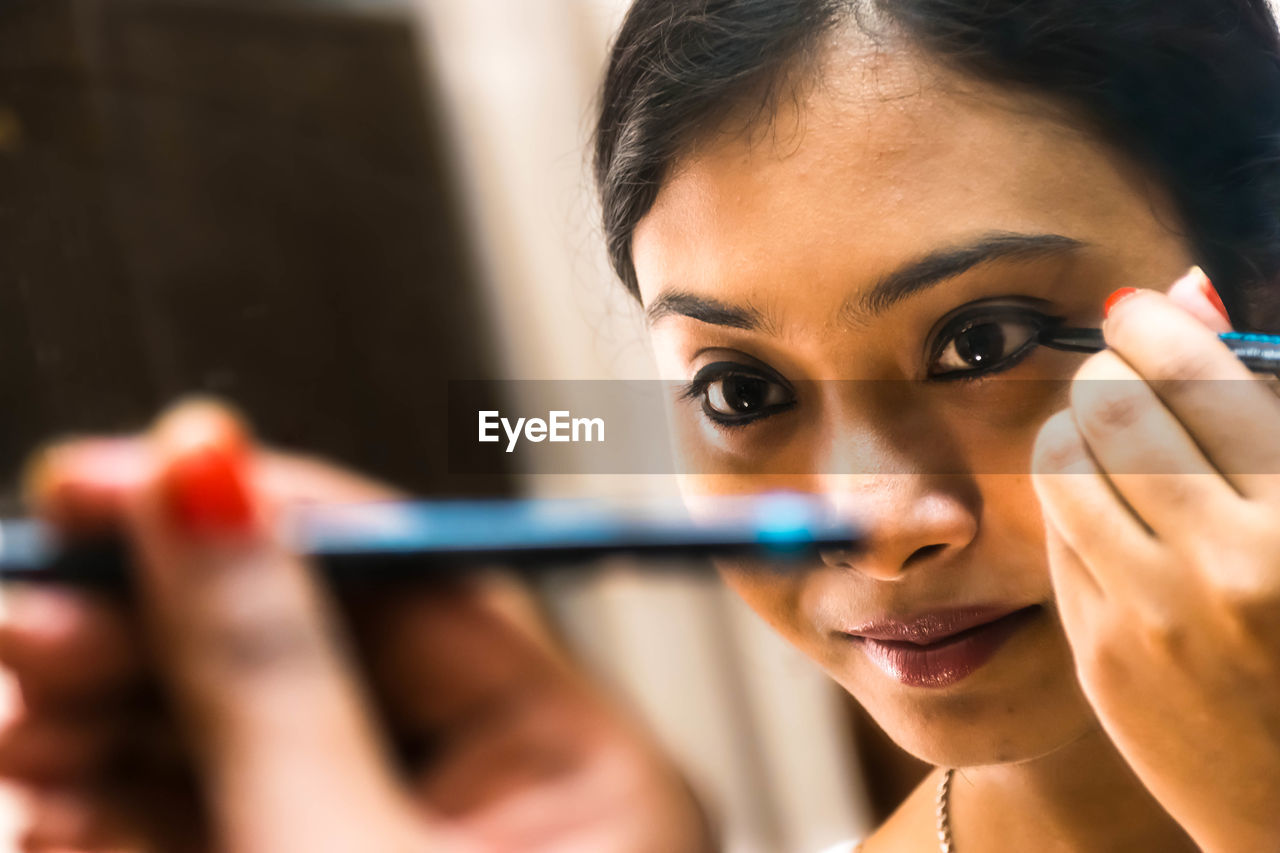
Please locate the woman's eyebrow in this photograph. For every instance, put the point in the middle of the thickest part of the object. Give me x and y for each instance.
(940, 265)
(912, 277)
(705, 310)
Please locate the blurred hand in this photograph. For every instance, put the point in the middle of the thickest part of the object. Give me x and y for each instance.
(224, 709)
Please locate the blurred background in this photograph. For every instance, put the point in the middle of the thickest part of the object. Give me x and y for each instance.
(324, 210)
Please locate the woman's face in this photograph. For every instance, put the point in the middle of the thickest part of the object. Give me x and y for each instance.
(849, 294)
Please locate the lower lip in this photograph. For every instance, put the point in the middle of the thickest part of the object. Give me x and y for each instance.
(947, 661)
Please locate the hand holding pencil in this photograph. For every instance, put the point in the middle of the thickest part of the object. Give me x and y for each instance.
(262, 703)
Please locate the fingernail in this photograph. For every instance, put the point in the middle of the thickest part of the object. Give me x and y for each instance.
(207, 492)
(1211, 293)
(1116, 298)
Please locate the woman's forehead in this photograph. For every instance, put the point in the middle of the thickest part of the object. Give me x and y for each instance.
(882, 158)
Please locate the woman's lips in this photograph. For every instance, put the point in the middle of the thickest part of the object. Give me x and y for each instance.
(938, 649)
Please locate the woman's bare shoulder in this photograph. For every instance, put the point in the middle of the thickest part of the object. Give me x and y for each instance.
(912, 828)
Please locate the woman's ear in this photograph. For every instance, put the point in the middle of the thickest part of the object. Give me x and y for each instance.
(1195, 294)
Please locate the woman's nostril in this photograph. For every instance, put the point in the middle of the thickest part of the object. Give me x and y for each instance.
(922, 554)
(838, 558)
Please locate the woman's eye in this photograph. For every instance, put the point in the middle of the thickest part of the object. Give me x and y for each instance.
(732, 395)
(744, 395)
(985, 344)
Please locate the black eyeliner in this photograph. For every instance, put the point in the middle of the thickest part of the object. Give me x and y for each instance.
(1009, 362)
(1006, 306)
(702, 380)
(996, 309)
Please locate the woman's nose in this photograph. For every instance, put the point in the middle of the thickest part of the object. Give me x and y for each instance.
(905, 524)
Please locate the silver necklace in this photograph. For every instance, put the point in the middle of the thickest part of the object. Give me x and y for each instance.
(944, 813)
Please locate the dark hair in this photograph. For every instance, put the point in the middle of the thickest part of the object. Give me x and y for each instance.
(1188, 88)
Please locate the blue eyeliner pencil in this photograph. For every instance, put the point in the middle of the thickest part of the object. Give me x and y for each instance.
(429, 541)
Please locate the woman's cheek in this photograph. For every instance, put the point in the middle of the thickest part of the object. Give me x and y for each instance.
(779, 449)
(995, 422)
(773, 594)
(1013, 527)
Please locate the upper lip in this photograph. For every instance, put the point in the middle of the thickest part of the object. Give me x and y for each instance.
(930, 627)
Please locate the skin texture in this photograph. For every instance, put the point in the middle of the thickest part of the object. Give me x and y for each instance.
(877, 159)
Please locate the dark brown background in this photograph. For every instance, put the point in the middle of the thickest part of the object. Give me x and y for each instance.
(247, 198)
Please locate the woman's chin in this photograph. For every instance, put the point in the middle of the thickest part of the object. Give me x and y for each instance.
(993, 738)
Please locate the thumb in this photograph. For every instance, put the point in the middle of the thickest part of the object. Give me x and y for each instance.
(1195, 294)
(283, 737)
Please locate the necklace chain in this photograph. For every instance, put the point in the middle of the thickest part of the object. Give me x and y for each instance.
(944, 813)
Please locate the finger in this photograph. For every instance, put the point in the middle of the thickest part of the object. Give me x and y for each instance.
(1150, 460)
(1106, 544)
(49, 749)
(1229, 413)
(1195, 294)
(80, 485)
(1077, 595)
(280, 725)
(290, 478)
(62, 819)
(78, 818)
(63, 645)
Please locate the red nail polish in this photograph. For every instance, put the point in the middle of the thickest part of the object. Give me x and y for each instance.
(1215, 300)
(207, 492)
(1115, 298)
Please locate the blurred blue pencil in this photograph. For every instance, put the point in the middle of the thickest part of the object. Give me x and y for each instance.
(426, 540)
